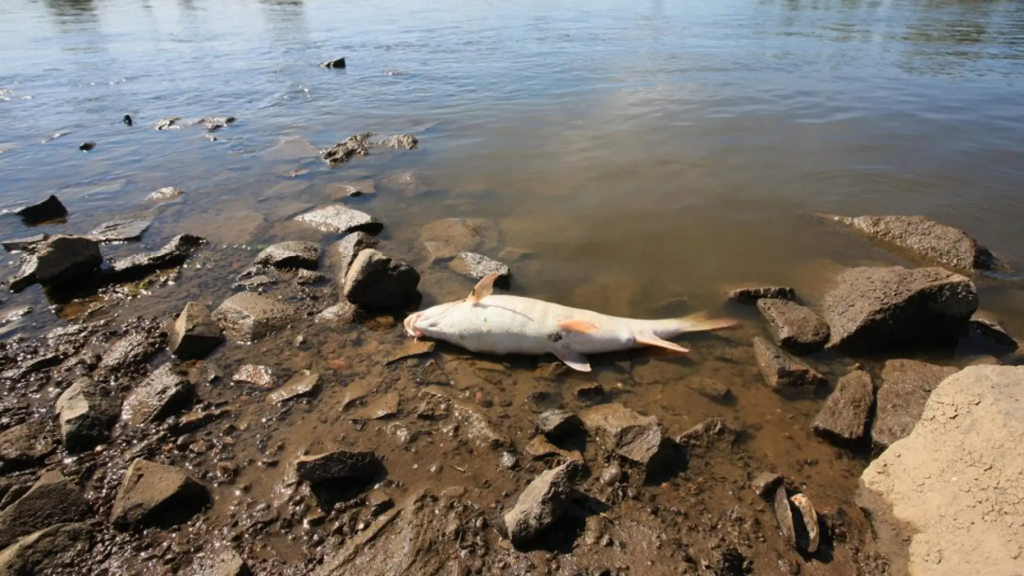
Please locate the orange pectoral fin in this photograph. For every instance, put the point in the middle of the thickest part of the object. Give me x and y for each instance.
(581, 326)
(652, 340)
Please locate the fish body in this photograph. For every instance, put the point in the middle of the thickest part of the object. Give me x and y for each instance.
(504, 324)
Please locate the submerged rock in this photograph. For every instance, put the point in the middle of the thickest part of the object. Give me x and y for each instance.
(49, 209)
(342, 152)
(259, 376)
(305, 383)
(339, 465)
(336, 63)
(26, 244)
(752, 294)
(540, 506)
(249, 317)
(195, 334)
(708, 388)
(477, 266)
(447, 237)
(165, 194)
(400, 142)
(906, 387)
(54, 550)
(340, 219)
(86, 412)
(378, 281)
(52, 500)
(782, 372)
(166, 391)
(120, 230)
(157, 495)
(794, 327)
(624, 432)
(173, 254)
(290, 255)
(844, 417)
(875, 309)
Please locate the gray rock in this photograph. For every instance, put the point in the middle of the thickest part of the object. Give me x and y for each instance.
(906, 387)
(708, 388)
(165, 194)
(400, 142)
(784, 515)
(559, 423)
(65, 258)
(52, 500)
(782, 372)
(166, 391)
(249, 317)
(157, 495)
(49, 209)
(25, 276)
(794, 327)
(224, 562)
(541, 505)
(445, 238)
(290, 255)
(259, 376)
(342, 152)
(26, 244)
(766, 484)
(305, 383)
(173, 254)
(340, 313)
(378, 281)
(195, 334)
(624, 432)
(925, 240)
(752, 294)
(336, 63)
(306, 277)
(24, 445)
(844, 417)
(134, 349)
(477, 266)
(120, 230)
(339, 465)
(54, 550)
(876, 309)
(86, 412)
(808, 535)
(340, 219)
(341, 254)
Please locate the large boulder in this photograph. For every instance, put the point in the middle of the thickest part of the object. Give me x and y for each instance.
(906, 387)
(54, 550)
(782, 372)
(86, 412)
(289, 255)
(794, 327)
(541, 505)
(340, 219)
(378, 281)
(165, 392)
(248, 317)
(844, 418)
(157, 495)
(925, 240)
(195, 334)
(874, 309)
(52, 500)
(952, 487)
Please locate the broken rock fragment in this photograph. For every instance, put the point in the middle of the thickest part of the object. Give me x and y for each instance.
(540, 506)
(195, 334)
(157, 495)
(86, 413)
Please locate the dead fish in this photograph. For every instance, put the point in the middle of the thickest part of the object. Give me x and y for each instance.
(503, 324)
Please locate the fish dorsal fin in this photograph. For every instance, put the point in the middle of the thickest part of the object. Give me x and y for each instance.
(580, 326)
(572, 359)
(483, 288)
(652, 340)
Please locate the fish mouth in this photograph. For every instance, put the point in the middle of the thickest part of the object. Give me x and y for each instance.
(410, 325)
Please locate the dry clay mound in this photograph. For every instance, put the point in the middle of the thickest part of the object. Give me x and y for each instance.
(955, 482)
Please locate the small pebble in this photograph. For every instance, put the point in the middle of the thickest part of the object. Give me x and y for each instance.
(127, 120)
(86, 146)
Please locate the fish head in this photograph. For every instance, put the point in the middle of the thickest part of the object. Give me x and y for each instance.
(434, 322)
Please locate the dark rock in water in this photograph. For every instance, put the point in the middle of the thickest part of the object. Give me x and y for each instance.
(249, 317)
(225, 562)
(49, 209)
(342, 253)
(753, 294)
(794, 327)
(54, 550)
(876, 309)
(86, 146)
(195, 334)
(844, 417)
(305, 383)
(991, 331)
(806, 524)
(541, 505)
(625, 432)
(340, 219)
(290, 255)
(127, 120)
(24, 446)
(24, 277)
(27, 244)
(166, 391)
(58, 260)
(338, 63)
(120, 230)
(174, 254)
(784, 514)
(400, 142)
(52, 500)
(447, 237)
(766, 484)
(477, 266)
(781, 371)
(708, 388)
(559, 423)
(342, 152)
(378, 281)
(339, 465)
(926, 240)
(157, 495)
(165, 194)
(906, 387)
(87, 412)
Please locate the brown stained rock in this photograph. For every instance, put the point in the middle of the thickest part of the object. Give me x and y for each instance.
(340, 219)
(24, 445)
(709, 433)
(782, 372)
(766, 484)
(157, 495)
(751, 295)
(195, 334)
(255, 374)
(52, 500)
(559, 423)
(165, 392)
(165, 194)
(380, 407)
(400, 142)
(355, 145)
(305, 383)
(224, 562)
(470, 417)
(86, 412)
(624, 432)
(906, 387)
(411, 349)
(540, 506)
(809, 537)
(990, 330)
(340, 313)
(844, 417)
(784, 514)
(248, 317)
(925, 240)
(708, 388)
(540, 448)
(290, 255)
(57, 549)
(378, 281)
(875, 309)
(338, 465)
(796, 328)
(445, 238)
(49, 209)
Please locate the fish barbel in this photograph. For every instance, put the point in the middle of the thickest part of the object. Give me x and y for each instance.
(502, 324)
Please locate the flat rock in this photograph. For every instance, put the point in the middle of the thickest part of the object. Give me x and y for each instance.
(338, 465)
(195, 334)
(710, 433)
(135, 348)
(65, 258)
(166, 391)
(766, 484)
(956, 478)
(559, 423)
(24, 244)
(540, 506)
(305, 383)
(49, 209)
(925, 240)
(382, 406)
(341, 254)
(378, 281)
(165, 194)
(172, 255)
(624, 432)
(340, 219)
(906, 387)
(541, 448)
(875, 309)
(340, 313)
(447, 237)
(57, 549)
(351, 147)
(411, 349)
(477, 266)
(796, 328)
(248, 317)
(844, 417)
(86, 412)
(52, 500)
(782, 372)
(259, 376)
(120, 230)
(708, 388)
(24, 445)
(223, 562)
(470, 417)
(289, 255)
(751, 295)
(157, 495)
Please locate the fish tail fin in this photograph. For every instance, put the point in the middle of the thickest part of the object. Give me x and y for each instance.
(699, 322)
